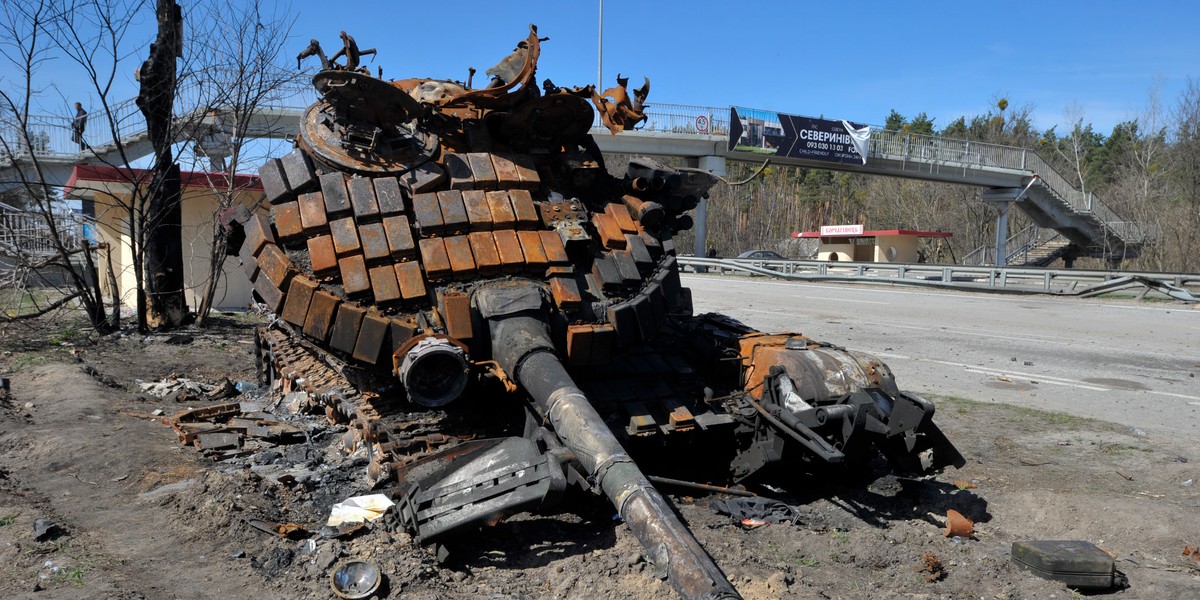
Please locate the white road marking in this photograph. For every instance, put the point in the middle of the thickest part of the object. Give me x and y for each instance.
(842, 300)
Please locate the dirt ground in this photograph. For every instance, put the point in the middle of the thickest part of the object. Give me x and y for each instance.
(138, 516)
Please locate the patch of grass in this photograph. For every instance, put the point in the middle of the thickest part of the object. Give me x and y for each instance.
(1046, 417)
(1122, 448)
(807, 561)
(21, 361)
(7, 520)
(73, 575)
(840, 536)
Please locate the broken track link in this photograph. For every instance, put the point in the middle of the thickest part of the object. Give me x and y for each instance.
(290, 365)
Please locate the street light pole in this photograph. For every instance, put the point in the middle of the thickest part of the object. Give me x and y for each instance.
(600, 52)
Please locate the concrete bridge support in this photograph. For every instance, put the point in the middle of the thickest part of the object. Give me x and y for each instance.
(716, 164)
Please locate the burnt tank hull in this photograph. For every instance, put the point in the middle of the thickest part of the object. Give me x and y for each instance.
(449, 264)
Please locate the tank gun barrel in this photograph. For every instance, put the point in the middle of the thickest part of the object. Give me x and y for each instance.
(522, 346)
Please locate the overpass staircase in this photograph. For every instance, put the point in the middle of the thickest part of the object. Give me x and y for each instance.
(1018, 175)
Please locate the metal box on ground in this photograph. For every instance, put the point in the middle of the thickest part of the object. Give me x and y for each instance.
(1075, 563)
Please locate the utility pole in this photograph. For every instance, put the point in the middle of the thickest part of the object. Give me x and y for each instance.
(600, 52)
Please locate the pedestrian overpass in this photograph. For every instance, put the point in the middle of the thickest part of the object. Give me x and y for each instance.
(1065, 217)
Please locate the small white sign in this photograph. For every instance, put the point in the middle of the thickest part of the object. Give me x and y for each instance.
(832, 230)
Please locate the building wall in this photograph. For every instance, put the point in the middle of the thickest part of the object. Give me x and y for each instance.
(843, 252)
(198, 218)
(905, 248)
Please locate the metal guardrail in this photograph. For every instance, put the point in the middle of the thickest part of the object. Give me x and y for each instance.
(1023, 280)
(27, 233)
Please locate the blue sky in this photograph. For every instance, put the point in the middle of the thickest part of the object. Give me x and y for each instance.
(852, 60)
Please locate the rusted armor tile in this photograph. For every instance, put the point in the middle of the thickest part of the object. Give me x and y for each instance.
(506, 171)
(298, 169)
(552, 244)
(258, 232)
(312, 211)
(621, 215)
(248, 261)
(478, 211)
(566, 293)
(354, 274)
(524, 209)
(605, 271)
(434, 258)
(459, 171)
(610, 235)
(371, 337)
(399, 236)
(389, 196)
(402, 330)
(374, 241)
(603, 344)
(624, 320)
(345, 235)
(668, 278)
(275, 266)
(287, 219)
(383, 282)
(320, 315)
(652, 244)
(268, 293)
(626, 267)
(425, 178)
(454, 214)
(411, 280)
(482, 171)
(502, 210)
(345, 327)
(573, 237)
(645, 316)
(333, 188)
(531, 247)
(457, 310)
(274, 182)
(658, 301)
(579, 344)
(295, 306)
(428, 214)
(509, 247)
(638, 250)
(321, 254)
(527, 171)
(362, 198)
(483, 248)
(462, 262)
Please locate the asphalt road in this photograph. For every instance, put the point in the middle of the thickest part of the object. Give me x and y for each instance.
(1137, 364)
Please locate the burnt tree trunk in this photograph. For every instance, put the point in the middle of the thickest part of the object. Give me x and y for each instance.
(164, 303)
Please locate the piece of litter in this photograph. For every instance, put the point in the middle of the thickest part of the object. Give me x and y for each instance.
(359, 509)
(753, 523)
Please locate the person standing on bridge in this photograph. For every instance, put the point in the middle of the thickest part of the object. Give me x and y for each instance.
(78, 125)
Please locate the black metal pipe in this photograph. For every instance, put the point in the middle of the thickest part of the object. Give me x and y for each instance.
(521, 344)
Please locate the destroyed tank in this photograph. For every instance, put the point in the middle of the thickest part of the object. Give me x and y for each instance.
(496, 318)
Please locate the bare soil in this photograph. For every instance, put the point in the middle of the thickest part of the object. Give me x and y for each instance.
(139, 516)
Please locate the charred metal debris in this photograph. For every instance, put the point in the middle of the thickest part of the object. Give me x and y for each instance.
(494, 318)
